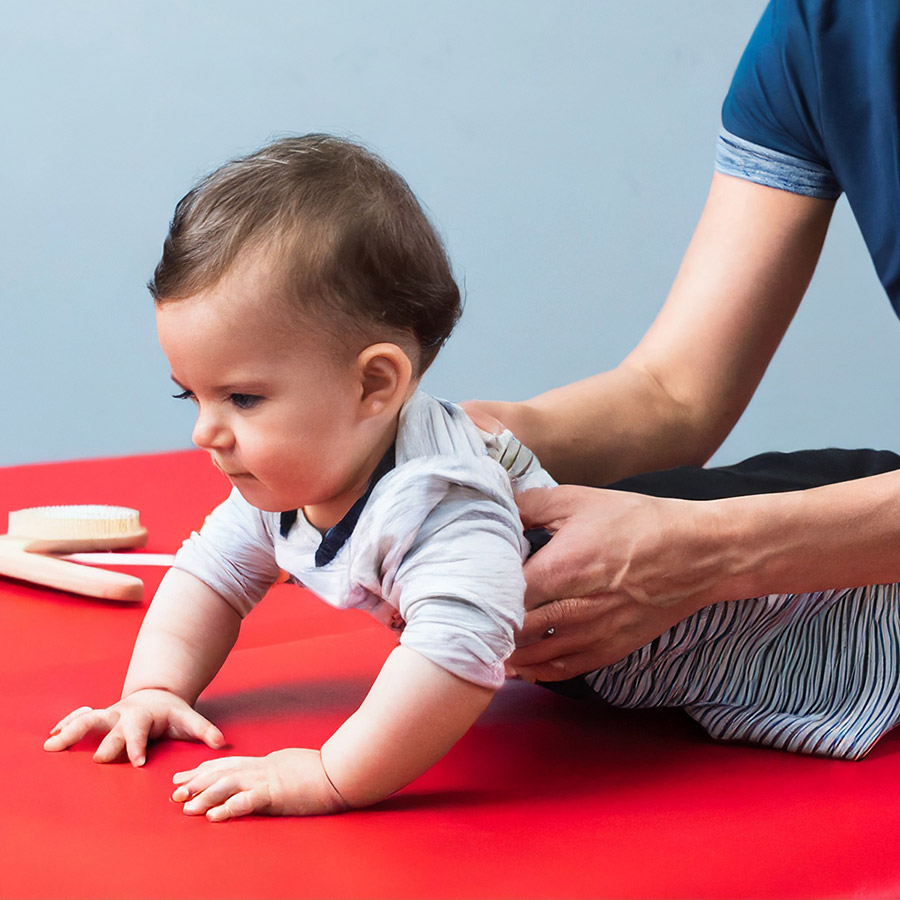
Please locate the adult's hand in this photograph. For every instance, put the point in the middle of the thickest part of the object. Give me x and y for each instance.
(619, 571)
(636, 565)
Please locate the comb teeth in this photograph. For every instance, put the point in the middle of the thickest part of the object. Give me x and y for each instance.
(68, 522)
(71, 529)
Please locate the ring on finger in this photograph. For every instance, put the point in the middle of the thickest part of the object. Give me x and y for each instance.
(550, 631)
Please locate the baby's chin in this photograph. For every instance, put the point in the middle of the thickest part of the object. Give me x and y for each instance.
(257, 496)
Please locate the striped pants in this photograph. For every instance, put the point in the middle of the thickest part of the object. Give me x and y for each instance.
(811, 673)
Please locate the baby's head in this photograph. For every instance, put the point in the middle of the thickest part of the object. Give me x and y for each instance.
(301, 294)
(340, 236)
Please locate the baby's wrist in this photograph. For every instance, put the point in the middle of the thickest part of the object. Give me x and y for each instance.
(130, 692)
(337, 796)
(315, 791)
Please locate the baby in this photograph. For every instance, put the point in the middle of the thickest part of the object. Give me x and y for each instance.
(301, 295)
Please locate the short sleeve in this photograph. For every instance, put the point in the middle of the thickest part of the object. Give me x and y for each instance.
(762, 165)
(232, 553)
(441, 542)
(461, 587)
(771, 117)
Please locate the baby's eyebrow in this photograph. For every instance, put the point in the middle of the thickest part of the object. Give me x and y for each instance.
(249, 387)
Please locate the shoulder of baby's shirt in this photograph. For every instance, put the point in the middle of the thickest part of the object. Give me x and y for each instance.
(431, 492)
(431, 501)
(424, 481)
(434, 427)
(429, 426)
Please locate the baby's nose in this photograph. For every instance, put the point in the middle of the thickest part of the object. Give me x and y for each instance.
(209, 433)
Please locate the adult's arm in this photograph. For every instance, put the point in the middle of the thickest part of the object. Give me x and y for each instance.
(678, 394)
(631, 566)
(636, 565)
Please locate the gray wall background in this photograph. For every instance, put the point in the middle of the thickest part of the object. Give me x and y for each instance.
(564, 149)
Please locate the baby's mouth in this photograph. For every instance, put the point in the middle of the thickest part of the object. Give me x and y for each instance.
(230, 475)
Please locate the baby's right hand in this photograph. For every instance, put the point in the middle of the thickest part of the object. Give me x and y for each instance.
(132, 722)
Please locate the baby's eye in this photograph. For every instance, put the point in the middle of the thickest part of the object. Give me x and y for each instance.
(245, 401)
(184, 395)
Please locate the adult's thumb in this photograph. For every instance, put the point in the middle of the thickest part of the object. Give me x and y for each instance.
(546, 507)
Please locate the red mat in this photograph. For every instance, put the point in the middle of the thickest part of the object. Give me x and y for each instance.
(544, 798)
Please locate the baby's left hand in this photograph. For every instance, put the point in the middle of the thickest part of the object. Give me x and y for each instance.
(285, 783)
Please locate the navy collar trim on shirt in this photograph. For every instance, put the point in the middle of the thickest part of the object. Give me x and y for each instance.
(338, 534)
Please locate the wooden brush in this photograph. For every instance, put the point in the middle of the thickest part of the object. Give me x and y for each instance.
(32, 533)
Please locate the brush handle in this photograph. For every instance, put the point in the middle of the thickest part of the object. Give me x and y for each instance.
(16, 562)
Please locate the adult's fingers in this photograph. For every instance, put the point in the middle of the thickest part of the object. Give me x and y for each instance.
(571, 563)
(568, 615)
(544, 507)
(569, 637)
(560, 668)
(484, 415)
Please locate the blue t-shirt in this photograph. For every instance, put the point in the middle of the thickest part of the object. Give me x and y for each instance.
(813, 108)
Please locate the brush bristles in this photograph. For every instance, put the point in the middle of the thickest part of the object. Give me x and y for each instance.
(74, 522)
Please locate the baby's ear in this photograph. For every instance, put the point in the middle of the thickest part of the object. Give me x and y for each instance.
(385, 373)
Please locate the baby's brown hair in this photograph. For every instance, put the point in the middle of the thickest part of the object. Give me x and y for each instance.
(347, 238)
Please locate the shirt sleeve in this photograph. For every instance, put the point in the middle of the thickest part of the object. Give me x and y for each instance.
(442, 543)
(232, 553)
(771, 117)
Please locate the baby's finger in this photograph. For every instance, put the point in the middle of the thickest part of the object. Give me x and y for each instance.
(78, 728)
(62, 723)
(190, 725)
(208, 767)
(193, 781)
(111, 747)
(214, 794)
(243, 803)
(135, 734)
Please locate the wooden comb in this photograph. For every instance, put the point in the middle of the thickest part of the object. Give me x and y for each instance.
(35, 532)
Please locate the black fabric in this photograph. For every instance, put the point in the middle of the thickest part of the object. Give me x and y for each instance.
(767, 473)
(286, 522)
(337, 535)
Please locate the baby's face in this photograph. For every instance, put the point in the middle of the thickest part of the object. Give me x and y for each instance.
(278, 414)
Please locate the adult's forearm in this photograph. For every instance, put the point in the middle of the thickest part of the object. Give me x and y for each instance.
(614, 425)
(610, 426)
(622, 568)
(841, 535)
(677, 395)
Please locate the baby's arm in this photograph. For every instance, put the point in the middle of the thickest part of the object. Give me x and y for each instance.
(185, 637)
(414, 713)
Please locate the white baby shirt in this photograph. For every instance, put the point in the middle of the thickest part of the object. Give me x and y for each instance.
(436, 553)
